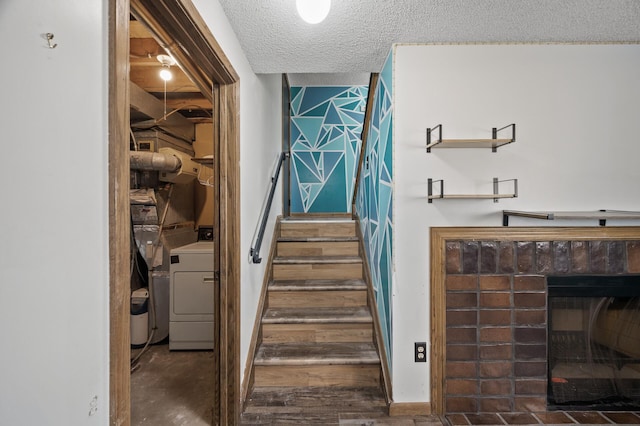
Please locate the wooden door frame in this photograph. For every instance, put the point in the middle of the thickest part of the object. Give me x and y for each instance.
(180, 28)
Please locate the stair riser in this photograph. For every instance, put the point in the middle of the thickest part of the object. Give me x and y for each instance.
(316, 299)
(324, 271)
(339, 229)
(318, 375)
(316, 333)
(325, 248)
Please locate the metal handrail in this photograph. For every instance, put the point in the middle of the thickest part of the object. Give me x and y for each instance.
(255, 250)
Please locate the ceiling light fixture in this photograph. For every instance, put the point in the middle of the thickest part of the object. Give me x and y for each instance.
(165, 75)
(313, 11)
(166, 61)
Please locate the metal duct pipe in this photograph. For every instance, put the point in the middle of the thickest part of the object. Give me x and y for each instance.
(156, 161)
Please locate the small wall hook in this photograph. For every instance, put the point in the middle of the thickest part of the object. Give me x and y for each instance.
(49, 38)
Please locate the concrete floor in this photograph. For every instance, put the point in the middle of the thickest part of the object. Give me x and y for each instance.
(172, 388)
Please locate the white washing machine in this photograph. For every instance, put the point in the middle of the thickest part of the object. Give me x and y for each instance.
(191, 296)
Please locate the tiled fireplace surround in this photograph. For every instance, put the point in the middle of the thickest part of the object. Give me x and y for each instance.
(495, 320)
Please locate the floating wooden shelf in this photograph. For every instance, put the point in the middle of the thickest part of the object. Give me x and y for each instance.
(494, 143)
(600, 215)
(495, 196)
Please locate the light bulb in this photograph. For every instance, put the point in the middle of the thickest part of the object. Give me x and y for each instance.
(313, 11)
(165, 74)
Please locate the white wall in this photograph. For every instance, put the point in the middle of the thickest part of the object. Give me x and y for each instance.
(54, 224)
(260, 143)
(54, 261)
(576, 108)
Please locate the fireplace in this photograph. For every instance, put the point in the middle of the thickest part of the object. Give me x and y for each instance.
(593, 342)
(492, 317)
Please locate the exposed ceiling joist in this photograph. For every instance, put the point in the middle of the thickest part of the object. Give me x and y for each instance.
(150, 106)
(180, 92)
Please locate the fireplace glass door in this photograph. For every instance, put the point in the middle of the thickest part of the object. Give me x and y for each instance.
(594, 342)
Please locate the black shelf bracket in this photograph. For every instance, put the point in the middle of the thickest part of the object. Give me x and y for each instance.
(430, 183)
(494, 134)
(429, 130)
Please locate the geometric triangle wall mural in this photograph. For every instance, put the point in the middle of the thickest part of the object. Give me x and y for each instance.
(326, 123)
(374, 204)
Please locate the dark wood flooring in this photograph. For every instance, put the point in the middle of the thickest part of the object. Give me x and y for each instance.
(323, 406)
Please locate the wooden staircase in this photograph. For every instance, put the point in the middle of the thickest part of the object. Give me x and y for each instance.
(315, 351)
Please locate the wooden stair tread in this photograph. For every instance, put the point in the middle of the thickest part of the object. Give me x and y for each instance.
(290, 260)
(315, 399)
(316, 328)
(317, 354)
(359, 314)
(325, 418)
(318, 219)
(317, 285)
(316, 239)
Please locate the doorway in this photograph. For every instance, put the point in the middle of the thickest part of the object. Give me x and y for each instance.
(179, 28)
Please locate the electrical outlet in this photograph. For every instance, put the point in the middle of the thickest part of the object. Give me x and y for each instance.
(420, 351)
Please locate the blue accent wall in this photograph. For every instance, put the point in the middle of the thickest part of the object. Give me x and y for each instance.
(326, 123)
(374, 204)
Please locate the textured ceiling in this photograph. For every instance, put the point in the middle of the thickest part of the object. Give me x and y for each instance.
(357, 35)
